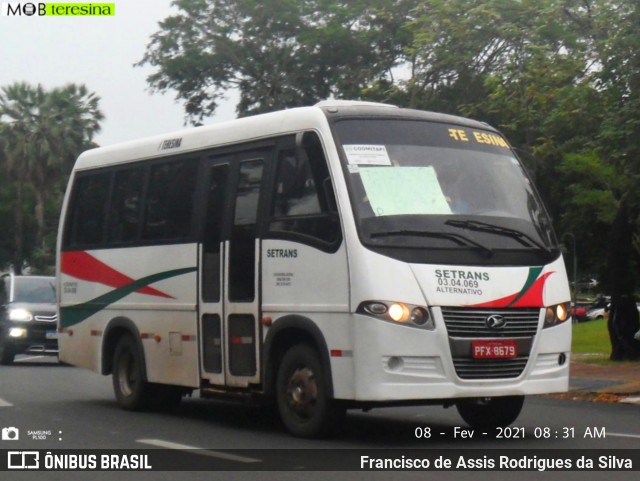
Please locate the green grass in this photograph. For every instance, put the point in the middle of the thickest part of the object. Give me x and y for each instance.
(591, 337)
(590, 343)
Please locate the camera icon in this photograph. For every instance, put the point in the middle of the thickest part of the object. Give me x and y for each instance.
(10, 434)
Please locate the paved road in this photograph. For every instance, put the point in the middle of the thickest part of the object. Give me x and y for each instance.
(74, 408)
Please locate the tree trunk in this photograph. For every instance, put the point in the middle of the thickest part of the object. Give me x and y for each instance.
(623, 324)
(18, 234)
(39, 214)
(623, 315)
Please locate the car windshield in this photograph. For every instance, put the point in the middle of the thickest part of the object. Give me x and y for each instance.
(37, 290)
(426, 184)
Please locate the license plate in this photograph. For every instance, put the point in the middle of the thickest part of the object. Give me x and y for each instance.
(501, 349)
(51, 335)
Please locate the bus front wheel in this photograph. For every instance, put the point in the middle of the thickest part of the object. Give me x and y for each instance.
(490, 412)
(303, 402)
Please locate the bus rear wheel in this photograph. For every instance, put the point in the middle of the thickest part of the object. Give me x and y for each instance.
(132, 390)
(490, 412)
(303, 402)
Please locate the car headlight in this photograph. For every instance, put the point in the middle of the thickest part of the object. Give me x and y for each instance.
(398, 312)
(556, 314)
(17, 332)
(20, 315)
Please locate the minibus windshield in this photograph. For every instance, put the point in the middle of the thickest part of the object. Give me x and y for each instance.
(445, 187)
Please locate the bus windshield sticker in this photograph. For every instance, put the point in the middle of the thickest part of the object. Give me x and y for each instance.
(367, 154)
(404, 191)
(478, 137)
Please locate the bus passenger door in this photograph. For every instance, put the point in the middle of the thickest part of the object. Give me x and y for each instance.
(231, 339)
(212, 257)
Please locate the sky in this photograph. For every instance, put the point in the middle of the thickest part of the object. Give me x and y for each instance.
(98, 52)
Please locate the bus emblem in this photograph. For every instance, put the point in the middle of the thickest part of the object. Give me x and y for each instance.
(495, 321)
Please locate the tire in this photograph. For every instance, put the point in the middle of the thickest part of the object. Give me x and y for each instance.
(7, 354)
(304, 404)
(132, 390)
(487, 413)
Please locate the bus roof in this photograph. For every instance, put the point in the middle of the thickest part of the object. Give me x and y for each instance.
(252, 128)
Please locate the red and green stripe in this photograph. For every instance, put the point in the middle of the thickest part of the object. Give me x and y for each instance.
(530, 295)
(84, 266)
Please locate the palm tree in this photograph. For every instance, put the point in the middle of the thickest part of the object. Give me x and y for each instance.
(13, 149)
(43, 132)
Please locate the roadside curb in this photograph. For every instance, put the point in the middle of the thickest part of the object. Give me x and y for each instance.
(611, 383)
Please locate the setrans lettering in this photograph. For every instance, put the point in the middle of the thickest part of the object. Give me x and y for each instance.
(464, 275)
(282, 253)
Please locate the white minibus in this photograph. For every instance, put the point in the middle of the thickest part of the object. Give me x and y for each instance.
(345, 255)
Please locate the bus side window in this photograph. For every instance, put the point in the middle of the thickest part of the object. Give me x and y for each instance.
(88, 208)
(124, 211)
(304, 203)
(242, 253)
(169, 203)
(296, 191)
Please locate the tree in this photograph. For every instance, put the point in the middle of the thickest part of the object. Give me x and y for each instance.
(277, 53)
(619, 79)
(42, 134)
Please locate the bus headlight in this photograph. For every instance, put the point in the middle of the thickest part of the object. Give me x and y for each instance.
(20, 315)
(398, 312)
(556, 314)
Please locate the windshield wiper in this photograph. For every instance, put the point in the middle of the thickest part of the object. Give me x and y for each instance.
(478, 226)
(458, 238)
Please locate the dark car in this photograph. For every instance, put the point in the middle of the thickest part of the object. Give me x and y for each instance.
(27, 316)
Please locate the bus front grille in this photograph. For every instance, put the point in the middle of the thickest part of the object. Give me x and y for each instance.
(472, 322)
